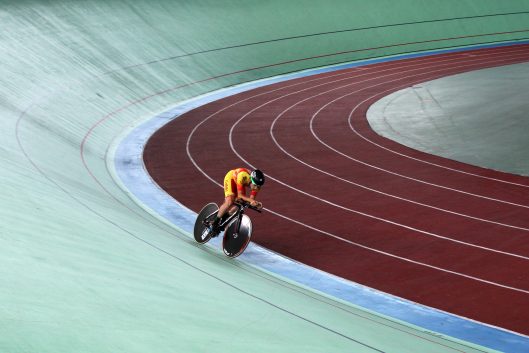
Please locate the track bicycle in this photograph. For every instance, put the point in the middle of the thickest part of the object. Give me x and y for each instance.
(237, 227)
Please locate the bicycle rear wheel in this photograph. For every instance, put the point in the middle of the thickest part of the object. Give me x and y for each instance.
(207, 215)
(233, 243)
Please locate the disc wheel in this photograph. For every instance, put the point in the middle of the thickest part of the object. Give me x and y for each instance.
(233, 243)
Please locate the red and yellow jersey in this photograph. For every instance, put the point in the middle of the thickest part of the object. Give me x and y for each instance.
(235, 182)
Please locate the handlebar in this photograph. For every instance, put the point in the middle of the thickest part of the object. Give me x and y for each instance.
(244, 204)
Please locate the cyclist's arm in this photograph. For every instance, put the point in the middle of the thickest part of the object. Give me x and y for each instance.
(241, 194)
(251, 200)
(242, 180)
(253, 195)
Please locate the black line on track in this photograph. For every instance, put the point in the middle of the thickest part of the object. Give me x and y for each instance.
(321, 34)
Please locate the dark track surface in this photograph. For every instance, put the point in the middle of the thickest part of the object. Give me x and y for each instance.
(345, 200)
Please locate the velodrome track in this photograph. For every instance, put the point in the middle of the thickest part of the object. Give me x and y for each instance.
(84, 267)
(342, 199)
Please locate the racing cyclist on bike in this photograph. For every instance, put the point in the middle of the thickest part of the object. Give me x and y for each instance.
(235, 183)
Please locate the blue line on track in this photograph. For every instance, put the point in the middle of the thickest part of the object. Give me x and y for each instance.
(132, 172)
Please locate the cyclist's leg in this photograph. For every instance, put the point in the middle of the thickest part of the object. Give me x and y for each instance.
(229, 197)
(228, 203)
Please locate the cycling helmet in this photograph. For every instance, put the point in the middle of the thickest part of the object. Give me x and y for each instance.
(257, 177)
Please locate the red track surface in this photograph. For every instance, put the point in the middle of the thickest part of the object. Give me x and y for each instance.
(345, 200)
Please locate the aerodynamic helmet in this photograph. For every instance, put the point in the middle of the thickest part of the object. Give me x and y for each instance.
(257, 177)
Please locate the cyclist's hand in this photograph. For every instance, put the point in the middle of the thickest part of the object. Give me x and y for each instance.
(257, 204)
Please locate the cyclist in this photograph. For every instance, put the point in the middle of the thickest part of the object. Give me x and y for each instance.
(235, 183)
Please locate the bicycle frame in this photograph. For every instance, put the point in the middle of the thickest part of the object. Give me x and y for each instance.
(238, 213)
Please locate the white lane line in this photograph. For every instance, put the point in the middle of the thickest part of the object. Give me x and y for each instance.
(419, 160)
(363, 186)
(398, 257)
(415, 179)
(354, 243)
(425, 161)
(374, 190)
(315, 86)
(302, 192)
(383, 193)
